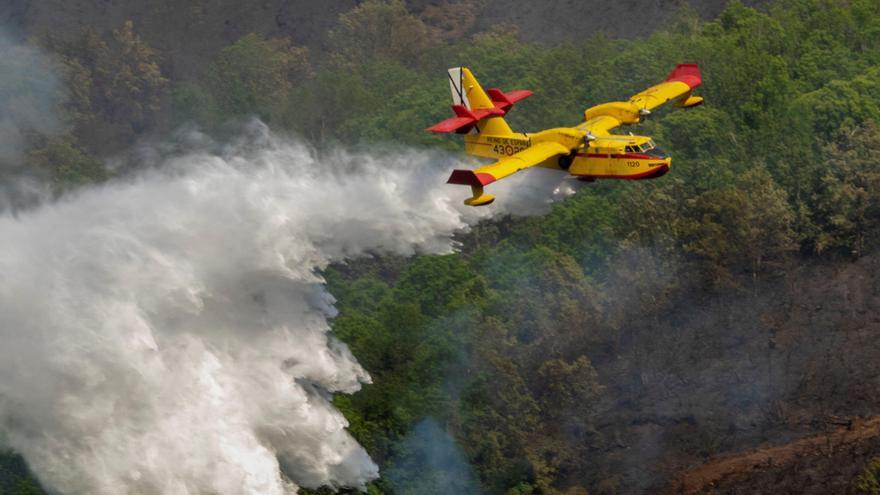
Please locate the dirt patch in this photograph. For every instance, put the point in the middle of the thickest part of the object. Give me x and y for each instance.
(824, 463)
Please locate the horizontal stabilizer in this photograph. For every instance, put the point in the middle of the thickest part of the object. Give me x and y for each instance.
(454, 124)
(519, 94)
(466, 118)
(506, 100)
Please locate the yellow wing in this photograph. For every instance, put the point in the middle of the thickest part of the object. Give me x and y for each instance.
(678, 86)
(504, 167)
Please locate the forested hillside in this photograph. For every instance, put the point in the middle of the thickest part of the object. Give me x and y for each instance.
(639, 328)
(189, 35)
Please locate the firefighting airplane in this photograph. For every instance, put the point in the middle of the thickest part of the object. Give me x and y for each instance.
(587, 151)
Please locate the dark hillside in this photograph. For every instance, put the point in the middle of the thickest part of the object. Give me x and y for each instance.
(738, 369)
(189, 34)
(572, 20)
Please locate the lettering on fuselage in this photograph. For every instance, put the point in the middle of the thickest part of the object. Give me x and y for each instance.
(508, 145)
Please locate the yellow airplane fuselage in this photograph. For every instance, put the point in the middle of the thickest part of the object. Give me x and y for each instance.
(612, 157)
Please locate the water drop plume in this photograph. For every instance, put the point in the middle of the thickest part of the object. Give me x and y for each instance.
(168, 332)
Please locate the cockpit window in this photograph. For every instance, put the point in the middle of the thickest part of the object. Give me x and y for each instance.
(643, 148)
(656, 152)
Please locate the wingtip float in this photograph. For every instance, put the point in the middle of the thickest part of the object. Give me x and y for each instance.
(587, 151)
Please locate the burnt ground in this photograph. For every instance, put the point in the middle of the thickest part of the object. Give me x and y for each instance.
(821, 464)
(713, 375)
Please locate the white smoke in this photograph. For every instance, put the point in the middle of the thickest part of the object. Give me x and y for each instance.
(168, 333)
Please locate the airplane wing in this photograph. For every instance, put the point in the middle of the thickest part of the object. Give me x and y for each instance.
(679, 83)
(504, 167)
(599, 126)
(600, 119)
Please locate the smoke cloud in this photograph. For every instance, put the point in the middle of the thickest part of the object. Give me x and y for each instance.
(168, 333)
(430, 462)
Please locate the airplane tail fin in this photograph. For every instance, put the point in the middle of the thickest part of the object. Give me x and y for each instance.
(477, 110)
(466, 90)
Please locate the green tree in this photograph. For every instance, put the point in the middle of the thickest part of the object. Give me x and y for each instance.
(192, 103)
(745, 226)
(377, 30)
(68, 165)
(442, 284)
(868, 483)
(329, 102)
(254, 76)
(848, 201)
(15, 477)
(567, 386)
(116, 85)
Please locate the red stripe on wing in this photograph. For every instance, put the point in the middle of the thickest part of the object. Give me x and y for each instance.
(686, 73)
(470, 178)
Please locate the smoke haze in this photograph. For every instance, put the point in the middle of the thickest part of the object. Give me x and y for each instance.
(429, 461)
(30, 94)
(30, 97)
(168, 333)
